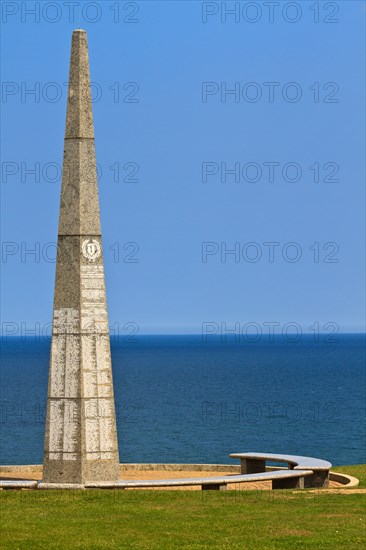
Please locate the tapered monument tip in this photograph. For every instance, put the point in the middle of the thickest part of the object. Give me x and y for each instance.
(79, 30)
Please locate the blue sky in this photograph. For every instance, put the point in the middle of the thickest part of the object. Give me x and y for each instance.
(166, 131)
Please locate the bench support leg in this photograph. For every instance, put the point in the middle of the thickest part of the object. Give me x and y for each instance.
(320, 478)
(288, 483)
(214, 487)
(252, 466)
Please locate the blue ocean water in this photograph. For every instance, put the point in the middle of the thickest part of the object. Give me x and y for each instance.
(179, 399)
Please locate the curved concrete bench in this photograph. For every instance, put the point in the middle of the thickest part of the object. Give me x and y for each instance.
(303, 472)
(18, 484)
(256, 462)
(281, 479)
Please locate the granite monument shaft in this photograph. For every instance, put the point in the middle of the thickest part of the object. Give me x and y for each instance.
(81, 439)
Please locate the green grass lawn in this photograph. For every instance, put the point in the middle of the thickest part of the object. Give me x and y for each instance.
(184, 519)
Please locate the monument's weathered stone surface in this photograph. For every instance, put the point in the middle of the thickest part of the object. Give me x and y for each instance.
(81, 440)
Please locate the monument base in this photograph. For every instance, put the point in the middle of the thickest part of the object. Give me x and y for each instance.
(79, 472)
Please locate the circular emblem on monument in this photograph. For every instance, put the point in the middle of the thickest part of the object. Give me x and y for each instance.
(91, 249)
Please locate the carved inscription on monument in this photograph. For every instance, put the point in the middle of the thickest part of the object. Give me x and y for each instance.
(93, 310)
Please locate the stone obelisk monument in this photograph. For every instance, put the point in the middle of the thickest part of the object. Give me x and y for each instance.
(81, 439)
